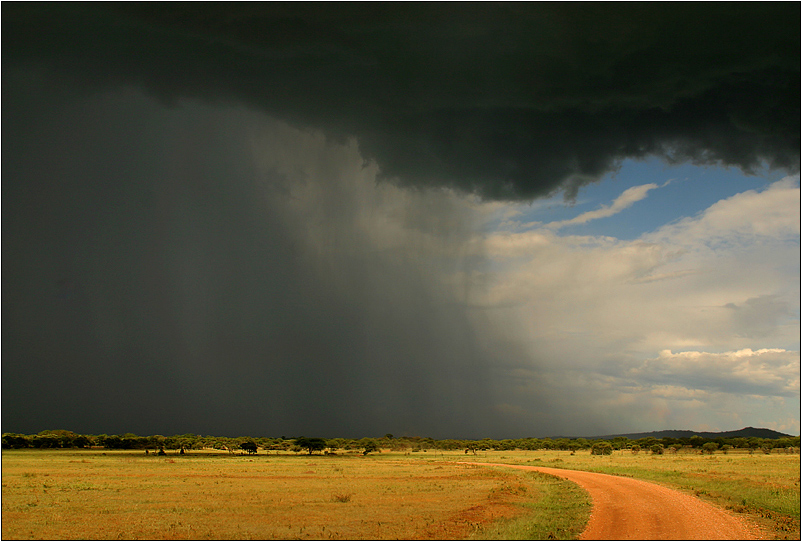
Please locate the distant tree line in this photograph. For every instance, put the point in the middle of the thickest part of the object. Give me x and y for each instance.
(129, 441)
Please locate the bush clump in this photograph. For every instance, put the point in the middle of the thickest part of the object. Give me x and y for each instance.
(601, 448)
(709, 448)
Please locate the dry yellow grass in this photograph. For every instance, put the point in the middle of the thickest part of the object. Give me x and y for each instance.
(92, 494)
(72, 494)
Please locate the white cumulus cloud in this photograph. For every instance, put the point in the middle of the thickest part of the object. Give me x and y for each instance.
(741, 219)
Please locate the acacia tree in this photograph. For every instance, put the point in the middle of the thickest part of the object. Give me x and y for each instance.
(311, 444)
(370, 445)
(249, 446)
(709, 447)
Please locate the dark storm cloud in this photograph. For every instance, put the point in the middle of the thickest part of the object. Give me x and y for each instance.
(507, 100)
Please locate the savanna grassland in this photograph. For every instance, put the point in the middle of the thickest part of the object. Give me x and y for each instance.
(95, 494)
(90, 494)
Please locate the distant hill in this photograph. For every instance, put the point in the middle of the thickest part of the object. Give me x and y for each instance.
(674, 433)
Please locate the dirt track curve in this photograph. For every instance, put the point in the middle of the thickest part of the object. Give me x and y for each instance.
(629, 509)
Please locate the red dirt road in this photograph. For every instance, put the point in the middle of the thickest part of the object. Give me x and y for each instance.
(629, 509)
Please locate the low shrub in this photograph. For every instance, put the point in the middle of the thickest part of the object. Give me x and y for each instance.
(341, 497)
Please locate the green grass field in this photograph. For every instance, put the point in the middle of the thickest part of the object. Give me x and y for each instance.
(96, 494)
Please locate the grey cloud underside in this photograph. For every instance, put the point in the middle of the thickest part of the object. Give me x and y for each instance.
(509, 101)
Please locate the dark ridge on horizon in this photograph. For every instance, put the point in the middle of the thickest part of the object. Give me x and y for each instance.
(747, 432)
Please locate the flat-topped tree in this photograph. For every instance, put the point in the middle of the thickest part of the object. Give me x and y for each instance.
(311, 444)
(249, 446)
(369, 445)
